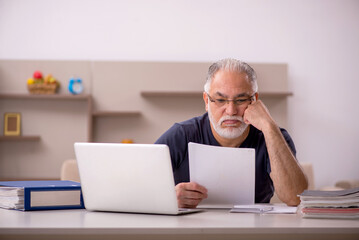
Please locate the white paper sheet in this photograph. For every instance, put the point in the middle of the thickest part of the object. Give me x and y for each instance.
(265, 208)
(254, 208)
(227, 173)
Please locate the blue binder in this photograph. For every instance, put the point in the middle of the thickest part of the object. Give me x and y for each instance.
(63, 189)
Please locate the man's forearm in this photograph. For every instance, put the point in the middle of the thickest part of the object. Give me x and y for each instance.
(288, 177)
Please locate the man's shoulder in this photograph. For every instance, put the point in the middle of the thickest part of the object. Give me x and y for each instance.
(285, 133)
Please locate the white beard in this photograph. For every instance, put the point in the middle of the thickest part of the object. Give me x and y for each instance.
(227, 132)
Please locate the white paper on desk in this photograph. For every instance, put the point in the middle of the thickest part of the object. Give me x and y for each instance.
(252, 208)
(267, 208)
(227, 173)
(282, 210)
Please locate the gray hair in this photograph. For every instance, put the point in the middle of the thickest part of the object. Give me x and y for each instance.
(233, 65)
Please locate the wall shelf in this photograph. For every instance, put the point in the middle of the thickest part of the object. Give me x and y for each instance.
(275, 94)
(61, 97)
(171, 93)
(116, 114)
(45, 96)
(200, 93)
(19, 138)
(82, 97)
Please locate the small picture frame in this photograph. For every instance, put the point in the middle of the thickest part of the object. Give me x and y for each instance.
(12, 124)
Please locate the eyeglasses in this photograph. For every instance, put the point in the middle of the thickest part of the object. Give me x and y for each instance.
(220, 102)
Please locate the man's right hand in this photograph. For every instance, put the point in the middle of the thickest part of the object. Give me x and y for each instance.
(190, 194)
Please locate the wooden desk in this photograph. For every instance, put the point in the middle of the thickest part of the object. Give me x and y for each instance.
(211, 224)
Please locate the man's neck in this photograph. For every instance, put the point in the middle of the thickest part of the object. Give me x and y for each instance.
(226, 142)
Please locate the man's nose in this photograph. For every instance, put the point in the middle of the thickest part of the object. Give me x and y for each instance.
(231, 108)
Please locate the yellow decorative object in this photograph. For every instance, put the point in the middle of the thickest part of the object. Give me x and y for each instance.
(30, 81)
(127, 140)
(12, 124)
(47, 78)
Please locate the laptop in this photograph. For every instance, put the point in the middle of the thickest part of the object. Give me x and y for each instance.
(134, 178)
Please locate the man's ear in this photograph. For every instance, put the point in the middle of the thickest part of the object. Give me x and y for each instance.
(205, 99)
(256, 96)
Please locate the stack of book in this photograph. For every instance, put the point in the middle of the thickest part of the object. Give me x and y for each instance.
(40, 195)
(330, 204)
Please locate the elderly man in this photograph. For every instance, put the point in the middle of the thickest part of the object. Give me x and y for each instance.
(236, 118)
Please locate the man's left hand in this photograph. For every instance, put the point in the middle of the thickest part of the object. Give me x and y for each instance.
(258, 115)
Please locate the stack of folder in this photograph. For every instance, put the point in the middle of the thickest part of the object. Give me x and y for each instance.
(40, 195)
(330, 204)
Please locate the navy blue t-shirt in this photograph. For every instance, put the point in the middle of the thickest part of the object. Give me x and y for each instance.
(198, 130)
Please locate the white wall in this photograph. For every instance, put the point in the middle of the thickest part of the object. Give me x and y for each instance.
(319, 40)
